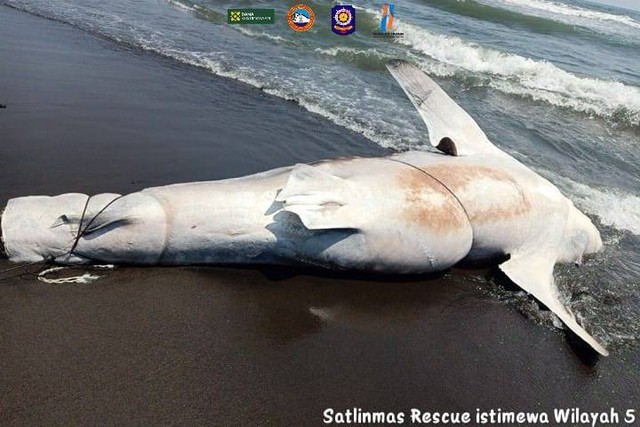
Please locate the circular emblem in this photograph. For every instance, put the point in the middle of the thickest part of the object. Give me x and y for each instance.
(343, 17)
(301, 18)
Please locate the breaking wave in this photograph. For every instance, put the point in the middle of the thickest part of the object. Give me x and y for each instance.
(613, 207)
(341, 115)
(369, 59)
(526, 77)
(565, 10)
(261, 35)
(496, 12)
(182, 5)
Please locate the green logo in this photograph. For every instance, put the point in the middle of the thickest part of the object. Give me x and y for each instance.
(251, 16)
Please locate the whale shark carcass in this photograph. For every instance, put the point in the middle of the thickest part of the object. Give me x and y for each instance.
(413, 212)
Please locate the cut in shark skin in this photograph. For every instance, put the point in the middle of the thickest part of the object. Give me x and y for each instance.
(414, 212)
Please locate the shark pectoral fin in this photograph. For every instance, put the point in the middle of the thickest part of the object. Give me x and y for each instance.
(451, 129)
(318, 198)
(534, 274)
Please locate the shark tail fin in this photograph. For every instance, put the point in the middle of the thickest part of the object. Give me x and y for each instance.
(534, 274)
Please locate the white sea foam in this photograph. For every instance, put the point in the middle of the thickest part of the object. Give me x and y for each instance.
(515, 74)
(215, 63)
(252, 33)
(181, 5)
(613, 207)
(574, 11)
(340, 51)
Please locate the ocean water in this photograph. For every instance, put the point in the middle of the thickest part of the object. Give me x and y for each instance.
(554, 83)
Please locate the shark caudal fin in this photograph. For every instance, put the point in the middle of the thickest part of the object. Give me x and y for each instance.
(534, 274)
(451, 129)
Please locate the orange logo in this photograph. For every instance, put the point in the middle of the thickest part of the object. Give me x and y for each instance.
(301, 18)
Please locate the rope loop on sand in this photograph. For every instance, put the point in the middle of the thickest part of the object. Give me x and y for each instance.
(83, 278)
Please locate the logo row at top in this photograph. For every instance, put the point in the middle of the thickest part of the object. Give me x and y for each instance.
(301, 18)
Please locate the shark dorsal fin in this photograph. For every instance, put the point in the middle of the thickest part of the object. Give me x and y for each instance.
(451, 129)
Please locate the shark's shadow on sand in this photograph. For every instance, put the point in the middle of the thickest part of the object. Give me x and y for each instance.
(302, 300)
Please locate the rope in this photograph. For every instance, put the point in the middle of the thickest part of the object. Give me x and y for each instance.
(84, 278)
(79, 234)
(81, 231)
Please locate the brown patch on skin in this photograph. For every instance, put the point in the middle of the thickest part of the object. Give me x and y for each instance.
(418, 187)
(459, 177)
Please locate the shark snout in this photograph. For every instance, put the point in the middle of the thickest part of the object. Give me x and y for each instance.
(581, 237)
(588, 232)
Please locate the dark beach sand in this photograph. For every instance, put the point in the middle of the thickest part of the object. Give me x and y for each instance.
(227, 346)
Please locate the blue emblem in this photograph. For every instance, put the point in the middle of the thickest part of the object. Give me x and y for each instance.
(343, 19)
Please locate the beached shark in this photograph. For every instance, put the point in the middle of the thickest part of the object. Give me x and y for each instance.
(413, 212)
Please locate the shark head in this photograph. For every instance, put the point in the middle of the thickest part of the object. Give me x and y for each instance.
(581, 237)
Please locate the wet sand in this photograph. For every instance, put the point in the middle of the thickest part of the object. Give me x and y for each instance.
(234, 346)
